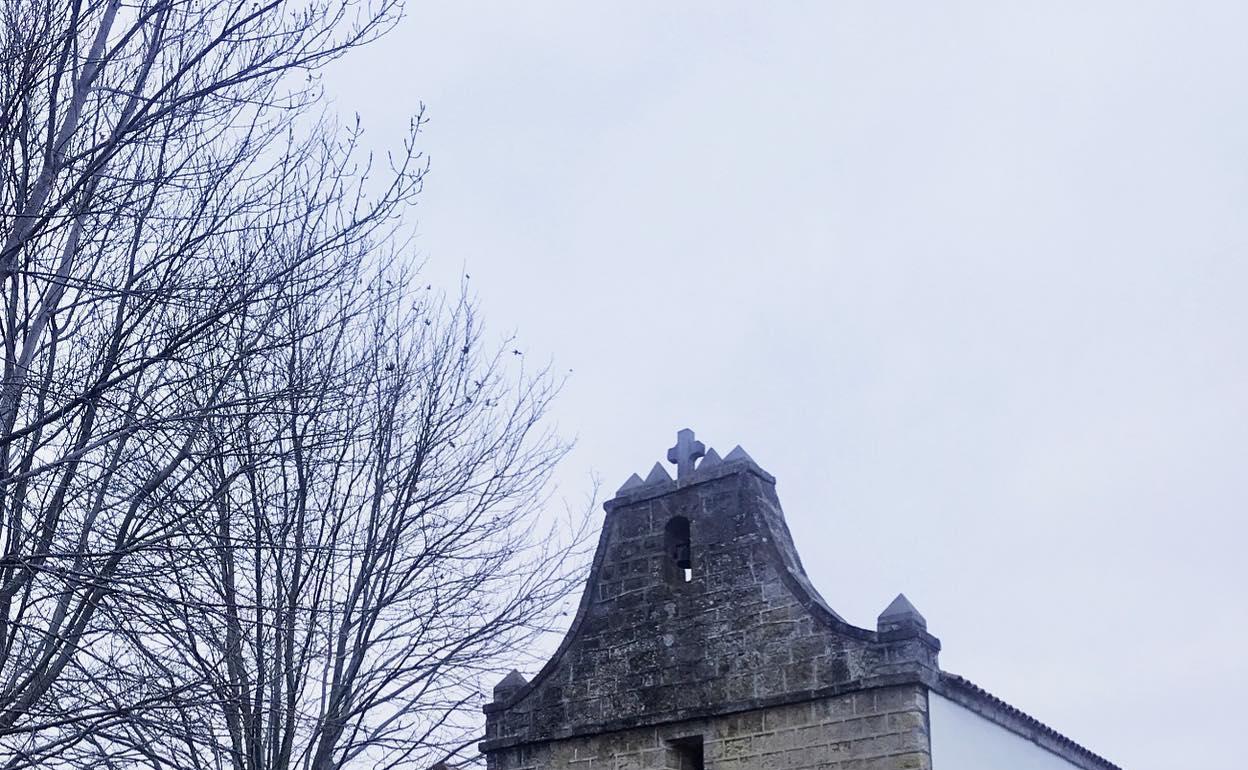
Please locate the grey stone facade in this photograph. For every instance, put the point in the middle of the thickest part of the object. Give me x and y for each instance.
(880, 728)
(700, 641)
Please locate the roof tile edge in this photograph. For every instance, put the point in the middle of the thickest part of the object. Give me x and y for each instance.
(970, 695)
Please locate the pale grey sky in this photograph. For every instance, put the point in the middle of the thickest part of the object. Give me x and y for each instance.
(968, 277)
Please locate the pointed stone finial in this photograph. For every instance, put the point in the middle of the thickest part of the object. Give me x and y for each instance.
(657, 475)
(685, 453)
(900, 614)
(709, 461)
(633, 482)
(738, 453)
(509, 684)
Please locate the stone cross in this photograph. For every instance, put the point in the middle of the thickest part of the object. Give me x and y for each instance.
(686, 451)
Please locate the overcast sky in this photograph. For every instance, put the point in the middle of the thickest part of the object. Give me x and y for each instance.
(968, 277)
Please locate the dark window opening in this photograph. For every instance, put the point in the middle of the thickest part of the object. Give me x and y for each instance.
(679, 549)
(688, 753)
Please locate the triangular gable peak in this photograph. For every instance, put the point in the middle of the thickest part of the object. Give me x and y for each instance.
(697, 605)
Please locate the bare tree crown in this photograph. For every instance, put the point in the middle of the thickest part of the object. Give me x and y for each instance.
(266, 503)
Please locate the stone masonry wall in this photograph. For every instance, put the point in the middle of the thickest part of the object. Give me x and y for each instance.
(649, 648)
(878, 729)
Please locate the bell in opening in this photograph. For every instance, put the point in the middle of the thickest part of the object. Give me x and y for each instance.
(679, 548)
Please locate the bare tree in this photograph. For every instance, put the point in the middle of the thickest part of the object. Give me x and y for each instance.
(234, 527)
(368, 555)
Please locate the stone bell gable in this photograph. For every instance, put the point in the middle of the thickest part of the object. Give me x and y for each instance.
(700, 642)
(697, 605)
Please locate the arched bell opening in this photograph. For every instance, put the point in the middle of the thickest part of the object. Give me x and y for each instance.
(679, 548)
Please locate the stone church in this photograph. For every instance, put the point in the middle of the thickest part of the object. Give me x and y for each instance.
(701, 643)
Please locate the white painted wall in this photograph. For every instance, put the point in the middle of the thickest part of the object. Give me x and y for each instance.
(963, 740)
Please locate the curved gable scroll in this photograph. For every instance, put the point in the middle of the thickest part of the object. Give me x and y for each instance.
(747, 629)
